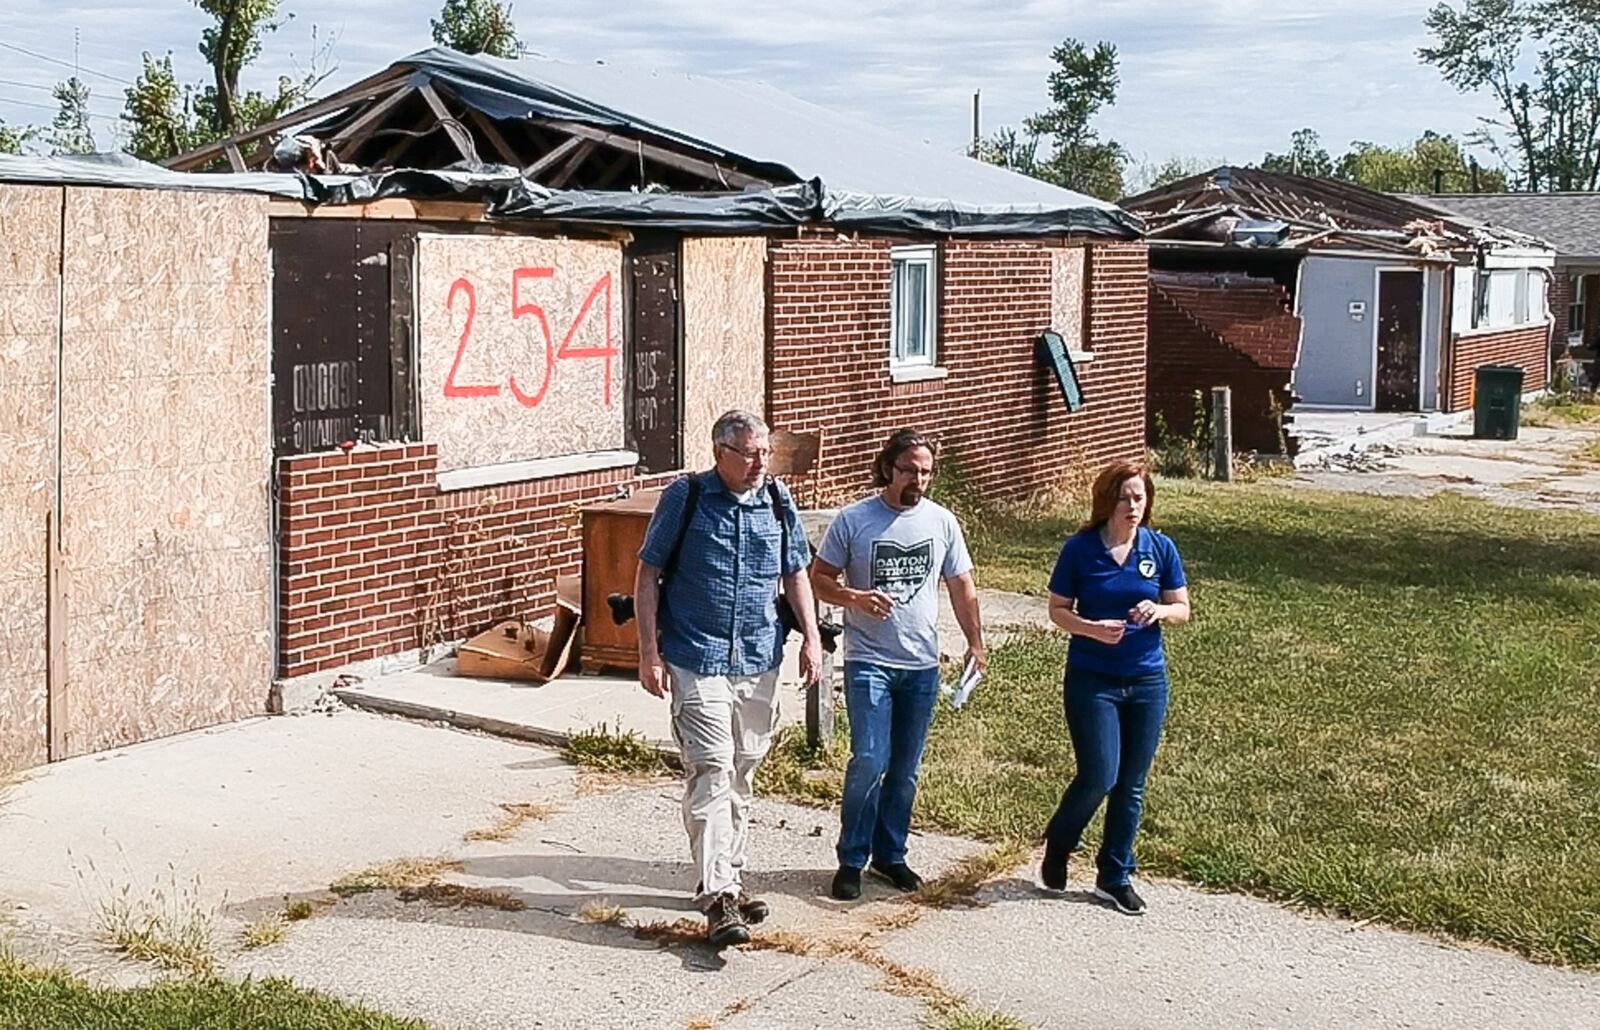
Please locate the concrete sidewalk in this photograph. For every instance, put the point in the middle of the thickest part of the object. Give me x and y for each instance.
(245, 815)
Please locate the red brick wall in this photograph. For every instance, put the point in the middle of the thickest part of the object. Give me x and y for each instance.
(1560, 299)
(374, 559)
(1185, 357)
(1527, 347)
(998, 412)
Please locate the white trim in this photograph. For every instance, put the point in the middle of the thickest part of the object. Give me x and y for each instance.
(916, 373)
(1081, 357)
(535, 468)
(1491, 330)
(928, 256)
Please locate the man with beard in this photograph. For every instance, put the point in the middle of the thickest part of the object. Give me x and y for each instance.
(888, 547)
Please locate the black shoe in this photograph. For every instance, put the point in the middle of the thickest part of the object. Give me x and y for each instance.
(1124, 897)
(899, 874)
(754, 910)
(846, 884)
(724, 924)
(1053, 870)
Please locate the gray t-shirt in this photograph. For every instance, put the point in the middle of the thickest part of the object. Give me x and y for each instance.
(897, 552)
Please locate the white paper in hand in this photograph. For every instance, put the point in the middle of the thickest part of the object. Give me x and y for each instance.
(970, 677)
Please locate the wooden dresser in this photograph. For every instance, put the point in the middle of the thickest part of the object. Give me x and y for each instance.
(613, 532)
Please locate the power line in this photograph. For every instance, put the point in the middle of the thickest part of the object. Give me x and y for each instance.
(27, 85)
(55, 107)
(64, 64)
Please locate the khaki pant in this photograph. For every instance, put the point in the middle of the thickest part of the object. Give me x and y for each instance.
(723, 726)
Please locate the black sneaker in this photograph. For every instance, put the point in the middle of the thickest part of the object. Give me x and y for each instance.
(1124, 897)
(899, 874)
(846, 883)
(754, 910)
(1053, 870)
(724, 924)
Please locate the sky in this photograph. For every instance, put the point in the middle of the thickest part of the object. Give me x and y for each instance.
(1223, 80)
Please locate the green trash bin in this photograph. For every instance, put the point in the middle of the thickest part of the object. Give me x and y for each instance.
(1496, 402)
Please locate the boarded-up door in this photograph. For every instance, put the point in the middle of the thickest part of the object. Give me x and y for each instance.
(653, 353)
(1399, 340)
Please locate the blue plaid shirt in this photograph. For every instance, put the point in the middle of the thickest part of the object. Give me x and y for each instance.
(718, 614)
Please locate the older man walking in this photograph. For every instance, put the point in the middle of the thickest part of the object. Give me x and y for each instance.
(706, 596)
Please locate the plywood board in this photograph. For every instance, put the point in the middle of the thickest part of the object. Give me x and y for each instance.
(1068, 275)
(30, 241)
(164, 463)
(724, 335)
(518, 347)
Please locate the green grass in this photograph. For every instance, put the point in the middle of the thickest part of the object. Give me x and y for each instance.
(37, 999)
(1384, 708)
(1562, 410)
(613, 751)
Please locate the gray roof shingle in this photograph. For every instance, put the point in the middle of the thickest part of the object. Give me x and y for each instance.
(1570, 221)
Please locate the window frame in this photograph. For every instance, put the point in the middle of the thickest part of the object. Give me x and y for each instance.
(900, 258)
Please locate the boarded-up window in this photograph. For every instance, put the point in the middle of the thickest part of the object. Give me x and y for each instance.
(518, 353)
(724, 332)
(1068, 274)
(333, 282)
(654, 400)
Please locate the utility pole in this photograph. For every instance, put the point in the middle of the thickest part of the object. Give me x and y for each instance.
(977, 133)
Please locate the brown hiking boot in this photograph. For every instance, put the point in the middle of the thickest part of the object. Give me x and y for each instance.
(754, 910)
(724, 922)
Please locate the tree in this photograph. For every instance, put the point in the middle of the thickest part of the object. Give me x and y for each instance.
(70, 132)
(161, 113)
(166, 118)
(1306, 156)
(477, 27)
(12, 138)
(1146, 176)
(1008, 149)
(1083, 82)
(1549, 119)
(1411, 169)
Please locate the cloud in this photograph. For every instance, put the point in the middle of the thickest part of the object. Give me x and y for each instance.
(1227, 77)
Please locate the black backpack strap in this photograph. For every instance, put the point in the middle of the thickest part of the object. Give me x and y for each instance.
(779, 513)
(689, 503)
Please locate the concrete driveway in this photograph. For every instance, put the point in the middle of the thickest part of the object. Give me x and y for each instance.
(239, 818)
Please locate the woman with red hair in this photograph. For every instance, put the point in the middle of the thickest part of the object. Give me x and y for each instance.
(1116, 582)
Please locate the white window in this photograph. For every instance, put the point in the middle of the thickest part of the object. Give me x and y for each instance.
(1499, 294)
(913, 306)
(1575, 306)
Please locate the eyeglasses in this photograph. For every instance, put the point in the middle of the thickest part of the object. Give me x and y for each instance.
(755, 453)
(919, 473)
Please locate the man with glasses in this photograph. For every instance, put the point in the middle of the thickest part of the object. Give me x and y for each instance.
(705, 599)
(888, 547)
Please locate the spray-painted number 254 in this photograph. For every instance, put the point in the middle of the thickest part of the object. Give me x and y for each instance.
(565, 351)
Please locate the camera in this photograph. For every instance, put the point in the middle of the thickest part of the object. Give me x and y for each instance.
(621, 606)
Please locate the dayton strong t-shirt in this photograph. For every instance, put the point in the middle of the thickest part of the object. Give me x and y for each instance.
(903, 554)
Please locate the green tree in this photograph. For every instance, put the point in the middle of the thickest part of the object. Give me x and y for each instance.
(1083, 82)
(166, 118)
(70, 132)
(1147, 176)
(1306, 156)
(12, 137)
(1549, 120)
(1410, 169)
(477, 27)
(160, 113)
(1010, 149)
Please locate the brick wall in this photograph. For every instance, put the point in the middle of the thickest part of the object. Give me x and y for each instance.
(1230, 330)
(998, 411)
(374, 559)
(1561, 289)
(1528, 347)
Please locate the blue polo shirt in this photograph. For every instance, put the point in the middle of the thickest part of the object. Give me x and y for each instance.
(1105, 590)
(719, 614)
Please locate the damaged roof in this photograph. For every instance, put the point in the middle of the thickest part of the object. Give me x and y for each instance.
(609, 127)
(1569, 221)
(1251, 207)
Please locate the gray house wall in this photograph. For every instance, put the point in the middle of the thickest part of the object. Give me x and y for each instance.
(1336, 348)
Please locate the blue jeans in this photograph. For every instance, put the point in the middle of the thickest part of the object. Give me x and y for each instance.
(1115, 723)
(890, 710)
